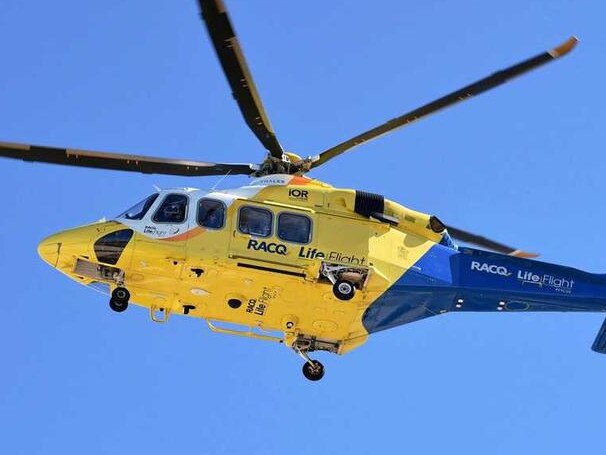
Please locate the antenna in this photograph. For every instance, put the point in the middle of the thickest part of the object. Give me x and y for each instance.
(157, 188)
(220, 180)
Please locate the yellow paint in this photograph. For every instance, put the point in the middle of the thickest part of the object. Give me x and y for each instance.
(202, 269)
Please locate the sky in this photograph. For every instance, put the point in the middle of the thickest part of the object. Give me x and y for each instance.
(523, 164)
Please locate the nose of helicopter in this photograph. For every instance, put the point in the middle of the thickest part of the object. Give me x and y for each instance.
(66, 245)
(102, 242)
(50, 247)
(69, 243)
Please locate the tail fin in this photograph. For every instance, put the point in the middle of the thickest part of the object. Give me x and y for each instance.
(599, 345)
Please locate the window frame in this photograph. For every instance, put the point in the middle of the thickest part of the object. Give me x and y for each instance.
(198, 213)
(311, 227)
(124, 215)
(263, 209)
(185, 216)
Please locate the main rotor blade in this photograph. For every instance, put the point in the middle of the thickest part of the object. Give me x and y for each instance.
(494, 80)
(119, 162)
(484, 242)
(234, 66)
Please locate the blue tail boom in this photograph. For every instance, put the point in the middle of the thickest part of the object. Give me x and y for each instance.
(446, 280)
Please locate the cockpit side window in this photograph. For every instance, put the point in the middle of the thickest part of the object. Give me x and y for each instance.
(255, 221)
(138, 211)
(172, 210)
(294, 228)
(211, 213)
(109, 248)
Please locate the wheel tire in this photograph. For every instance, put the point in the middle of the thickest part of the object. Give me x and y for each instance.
(313, 372)
(344, 290)
(121, 294)
(118, 306)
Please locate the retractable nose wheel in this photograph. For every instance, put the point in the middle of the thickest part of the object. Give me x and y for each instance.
(119, 300)
(313, 370)
(343, 289)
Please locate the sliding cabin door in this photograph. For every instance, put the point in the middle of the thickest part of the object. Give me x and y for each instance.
(272, 238)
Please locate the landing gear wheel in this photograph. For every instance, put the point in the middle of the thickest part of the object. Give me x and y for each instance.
(121, 294)
(314, 370)
(343, 289)
(119, 300)
(117, 305)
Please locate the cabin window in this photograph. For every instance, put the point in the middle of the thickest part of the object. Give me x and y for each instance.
(294, 228)
(211, 213)
(255, 221)
(138, 211)
(172, 210)
(109, 248)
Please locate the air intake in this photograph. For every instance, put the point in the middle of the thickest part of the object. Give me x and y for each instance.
(368, 203)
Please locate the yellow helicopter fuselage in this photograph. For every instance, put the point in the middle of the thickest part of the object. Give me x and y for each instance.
(265, 284)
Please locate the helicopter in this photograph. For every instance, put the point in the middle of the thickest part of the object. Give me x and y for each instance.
(293, 260)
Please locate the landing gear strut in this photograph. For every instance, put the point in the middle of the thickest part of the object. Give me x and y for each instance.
(312, 369)
(344, 279)
(119, 300)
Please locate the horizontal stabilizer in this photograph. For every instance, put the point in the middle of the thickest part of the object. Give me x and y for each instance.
(599, 345)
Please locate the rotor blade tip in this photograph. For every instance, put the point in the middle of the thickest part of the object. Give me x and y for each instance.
(564, 48)
(524, 254)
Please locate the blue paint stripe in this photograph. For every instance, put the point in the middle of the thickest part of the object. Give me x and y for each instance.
(445, 279)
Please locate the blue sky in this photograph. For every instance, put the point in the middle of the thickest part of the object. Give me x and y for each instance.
(523, 164)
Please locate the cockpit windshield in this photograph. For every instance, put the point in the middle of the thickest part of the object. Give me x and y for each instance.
(138, 211)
